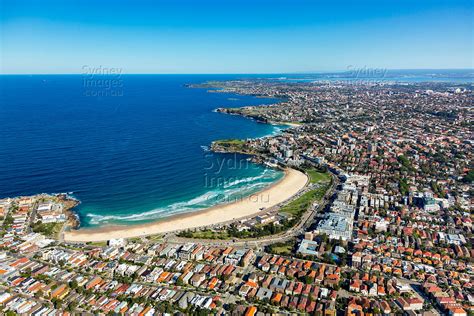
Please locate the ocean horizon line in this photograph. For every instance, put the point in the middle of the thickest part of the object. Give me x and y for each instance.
(309, 72)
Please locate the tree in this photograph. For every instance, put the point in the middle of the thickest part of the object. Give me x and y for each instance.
(73, 284)
(71, 307)
(308, 280)
(403, 186)
(39, 294)
(469, 177)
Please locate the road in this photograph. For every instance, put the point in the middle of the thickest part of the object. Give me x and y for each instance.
(31, 218)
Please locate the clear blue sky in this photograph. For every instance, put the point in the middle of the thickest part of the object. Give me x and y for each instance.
(230, 36)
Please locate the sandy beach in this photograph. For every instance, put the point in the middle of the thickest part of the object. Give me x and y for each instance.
(289, 185)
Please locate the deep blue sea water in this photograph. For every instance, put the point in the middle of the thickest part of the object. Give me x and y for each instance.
(132, 150)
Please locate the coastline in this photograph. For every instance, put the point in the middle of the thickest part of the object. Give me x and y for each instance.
(292, 182)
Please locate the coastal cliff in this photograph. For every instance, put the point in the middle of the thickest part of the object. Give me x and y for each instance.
(69, 204)
(231, 146)
(249, 112)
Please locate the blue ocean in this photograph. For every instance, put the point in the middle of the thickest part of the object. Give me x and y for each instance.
(131, 148)
(134, 148)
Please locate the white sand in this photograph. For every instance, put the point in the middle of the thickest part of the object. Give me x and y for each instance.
(289, 185)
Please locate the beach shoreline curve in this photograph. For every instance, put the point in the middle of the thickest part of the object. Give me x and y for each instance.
(291, 183)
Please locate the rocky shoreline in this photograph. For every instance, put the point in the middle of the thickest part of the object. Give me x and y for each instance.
(69, 204)
(72, 217)
(242, 112)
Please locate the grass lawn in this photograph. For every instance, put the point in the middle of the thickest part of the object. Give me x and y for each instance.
(135, 239)
(97, 243)
(232, 145)
(230, 142)
(206, 234)
(316, 176)
(48, 229)
(155, 238)
(282, 248)
(233, 141)
(301, 204)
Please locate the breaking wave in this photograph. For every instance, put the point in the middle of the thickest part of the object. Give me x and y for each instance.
(230, 192)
